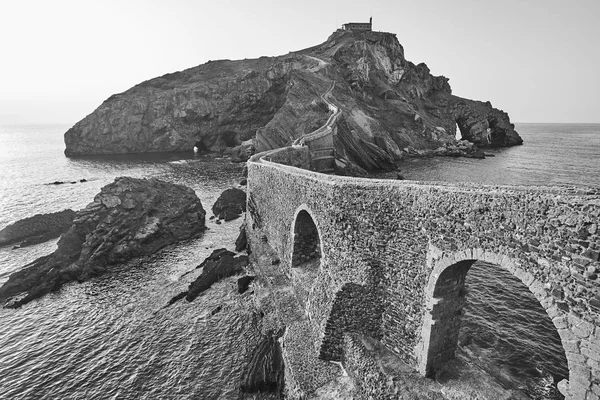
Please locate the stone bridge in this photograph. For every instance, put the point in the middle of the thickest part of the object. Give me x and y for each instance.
(388, 259)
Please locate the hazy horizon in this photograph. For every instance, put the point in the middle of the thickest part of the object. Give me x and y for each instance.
(536, 60)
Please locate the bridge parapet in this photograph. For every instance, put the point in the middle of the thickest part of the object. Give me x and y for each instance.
(400, 237)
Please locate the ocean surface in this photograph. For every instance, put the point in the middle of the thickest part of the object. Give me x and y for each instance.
(112, 337)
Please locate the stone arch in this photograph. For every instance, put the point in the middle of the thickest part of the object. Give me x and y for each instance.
(307, 246)
(445, 298)
(307, 250)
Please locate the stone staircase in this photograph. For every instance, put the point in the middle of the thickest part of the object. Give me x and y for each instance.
(320, 141)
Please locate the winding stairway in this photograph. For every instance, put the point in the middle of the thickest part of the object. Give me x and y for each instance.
(320, 141)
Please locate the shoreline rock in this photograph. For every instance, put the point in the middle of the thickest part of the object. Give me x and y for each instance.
(230, 204)
(128, 218)
(37, 229)
(220, 264)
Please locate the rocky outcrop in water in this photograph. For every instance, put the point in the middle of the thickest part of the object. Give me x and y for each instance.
(265, 370)
(220, 264)
(37, 229)
(387, 103)
(128, 218)
(230, 204)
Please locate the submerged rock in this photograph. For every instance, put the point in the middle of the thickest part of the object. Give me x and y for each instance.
(230, 204)
(128, 218)
(37, 229)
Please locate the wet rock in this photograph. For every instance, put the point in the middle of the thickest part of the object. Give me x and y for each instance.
(109, 231)
(475, 154)
(241, 243)
(243, 283)
(37, 229)
(244, 182)
(220, 264)
(265, 370)
(230, 204)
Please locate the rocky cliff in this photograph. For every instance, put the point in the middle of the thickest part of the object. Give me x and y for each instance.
(388, 104)
(128, 218)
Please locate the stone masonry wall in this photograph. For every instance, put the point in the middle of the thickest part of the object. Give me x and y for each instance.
(412, 232)
(356, 309)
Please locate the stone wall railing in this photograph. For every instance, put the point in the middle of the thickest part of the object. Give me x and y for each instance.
(547, 237)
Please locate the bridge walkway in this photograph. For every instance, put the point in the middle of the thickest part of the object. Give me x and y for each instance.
(320, 141)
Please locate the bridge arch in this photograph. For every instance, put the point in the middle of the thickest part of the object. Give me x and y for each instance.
(445, 297)
(307, 246)
(306, 253)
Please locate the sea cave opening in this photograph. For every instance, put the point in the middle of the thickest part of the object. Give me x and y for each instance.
(487, 318)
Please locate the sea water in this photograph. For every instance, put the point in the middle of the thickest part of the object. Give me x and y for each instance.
(112, 337)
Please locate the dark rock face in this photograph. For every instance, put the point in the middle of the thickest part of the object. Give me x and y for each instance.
(241, 243)
(128, 218)
(230, 204)
(387, 103)
(265, 370)
(220, 264)
(243, 283)
(37, 229)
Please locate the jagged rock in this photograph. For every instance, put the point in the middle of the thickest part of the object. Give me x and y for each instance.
(243, 283)
(37, 229)
(230, 204)
(128, 218)
(241, 243)
(265, 370)
(387, 104)
(220, 264)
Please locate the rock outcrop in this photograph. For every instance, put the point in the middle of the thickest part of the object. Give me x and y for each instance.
(230, 204)
(220, 264)
(37, 229)
(387, 103)
(128, 218)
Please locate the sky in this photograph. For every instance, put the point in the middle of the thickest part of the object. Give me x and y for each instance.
(538, 60)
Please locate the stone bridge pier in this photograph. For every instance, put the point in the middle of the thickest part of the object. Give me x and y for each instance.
(388, 259)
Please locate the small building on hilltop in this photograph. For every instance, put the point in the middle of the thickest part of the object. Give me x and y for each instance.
(359, 26)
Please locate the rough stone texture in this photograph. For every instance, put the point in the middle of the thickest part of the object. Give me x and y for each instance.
(421, 237)
(37, 229)
(230, 204)
(128, 218)
(356, 309)
(389, 106)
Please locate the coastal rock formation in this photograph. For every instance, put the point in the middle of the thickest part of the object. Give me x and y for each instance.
(230, 204)
(220, 264)
(128, 218)
(387, 103)
(37, 229)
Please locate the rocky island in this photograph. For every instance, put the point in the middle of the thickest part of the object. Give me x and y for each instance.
(390, 107)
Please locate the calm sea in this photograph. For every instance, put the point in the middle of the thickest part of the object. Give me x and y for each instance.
(112, 338)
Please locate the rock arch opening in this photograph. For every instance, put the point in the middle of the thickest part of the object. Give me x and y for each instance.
(458, 135)
(481, 311)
